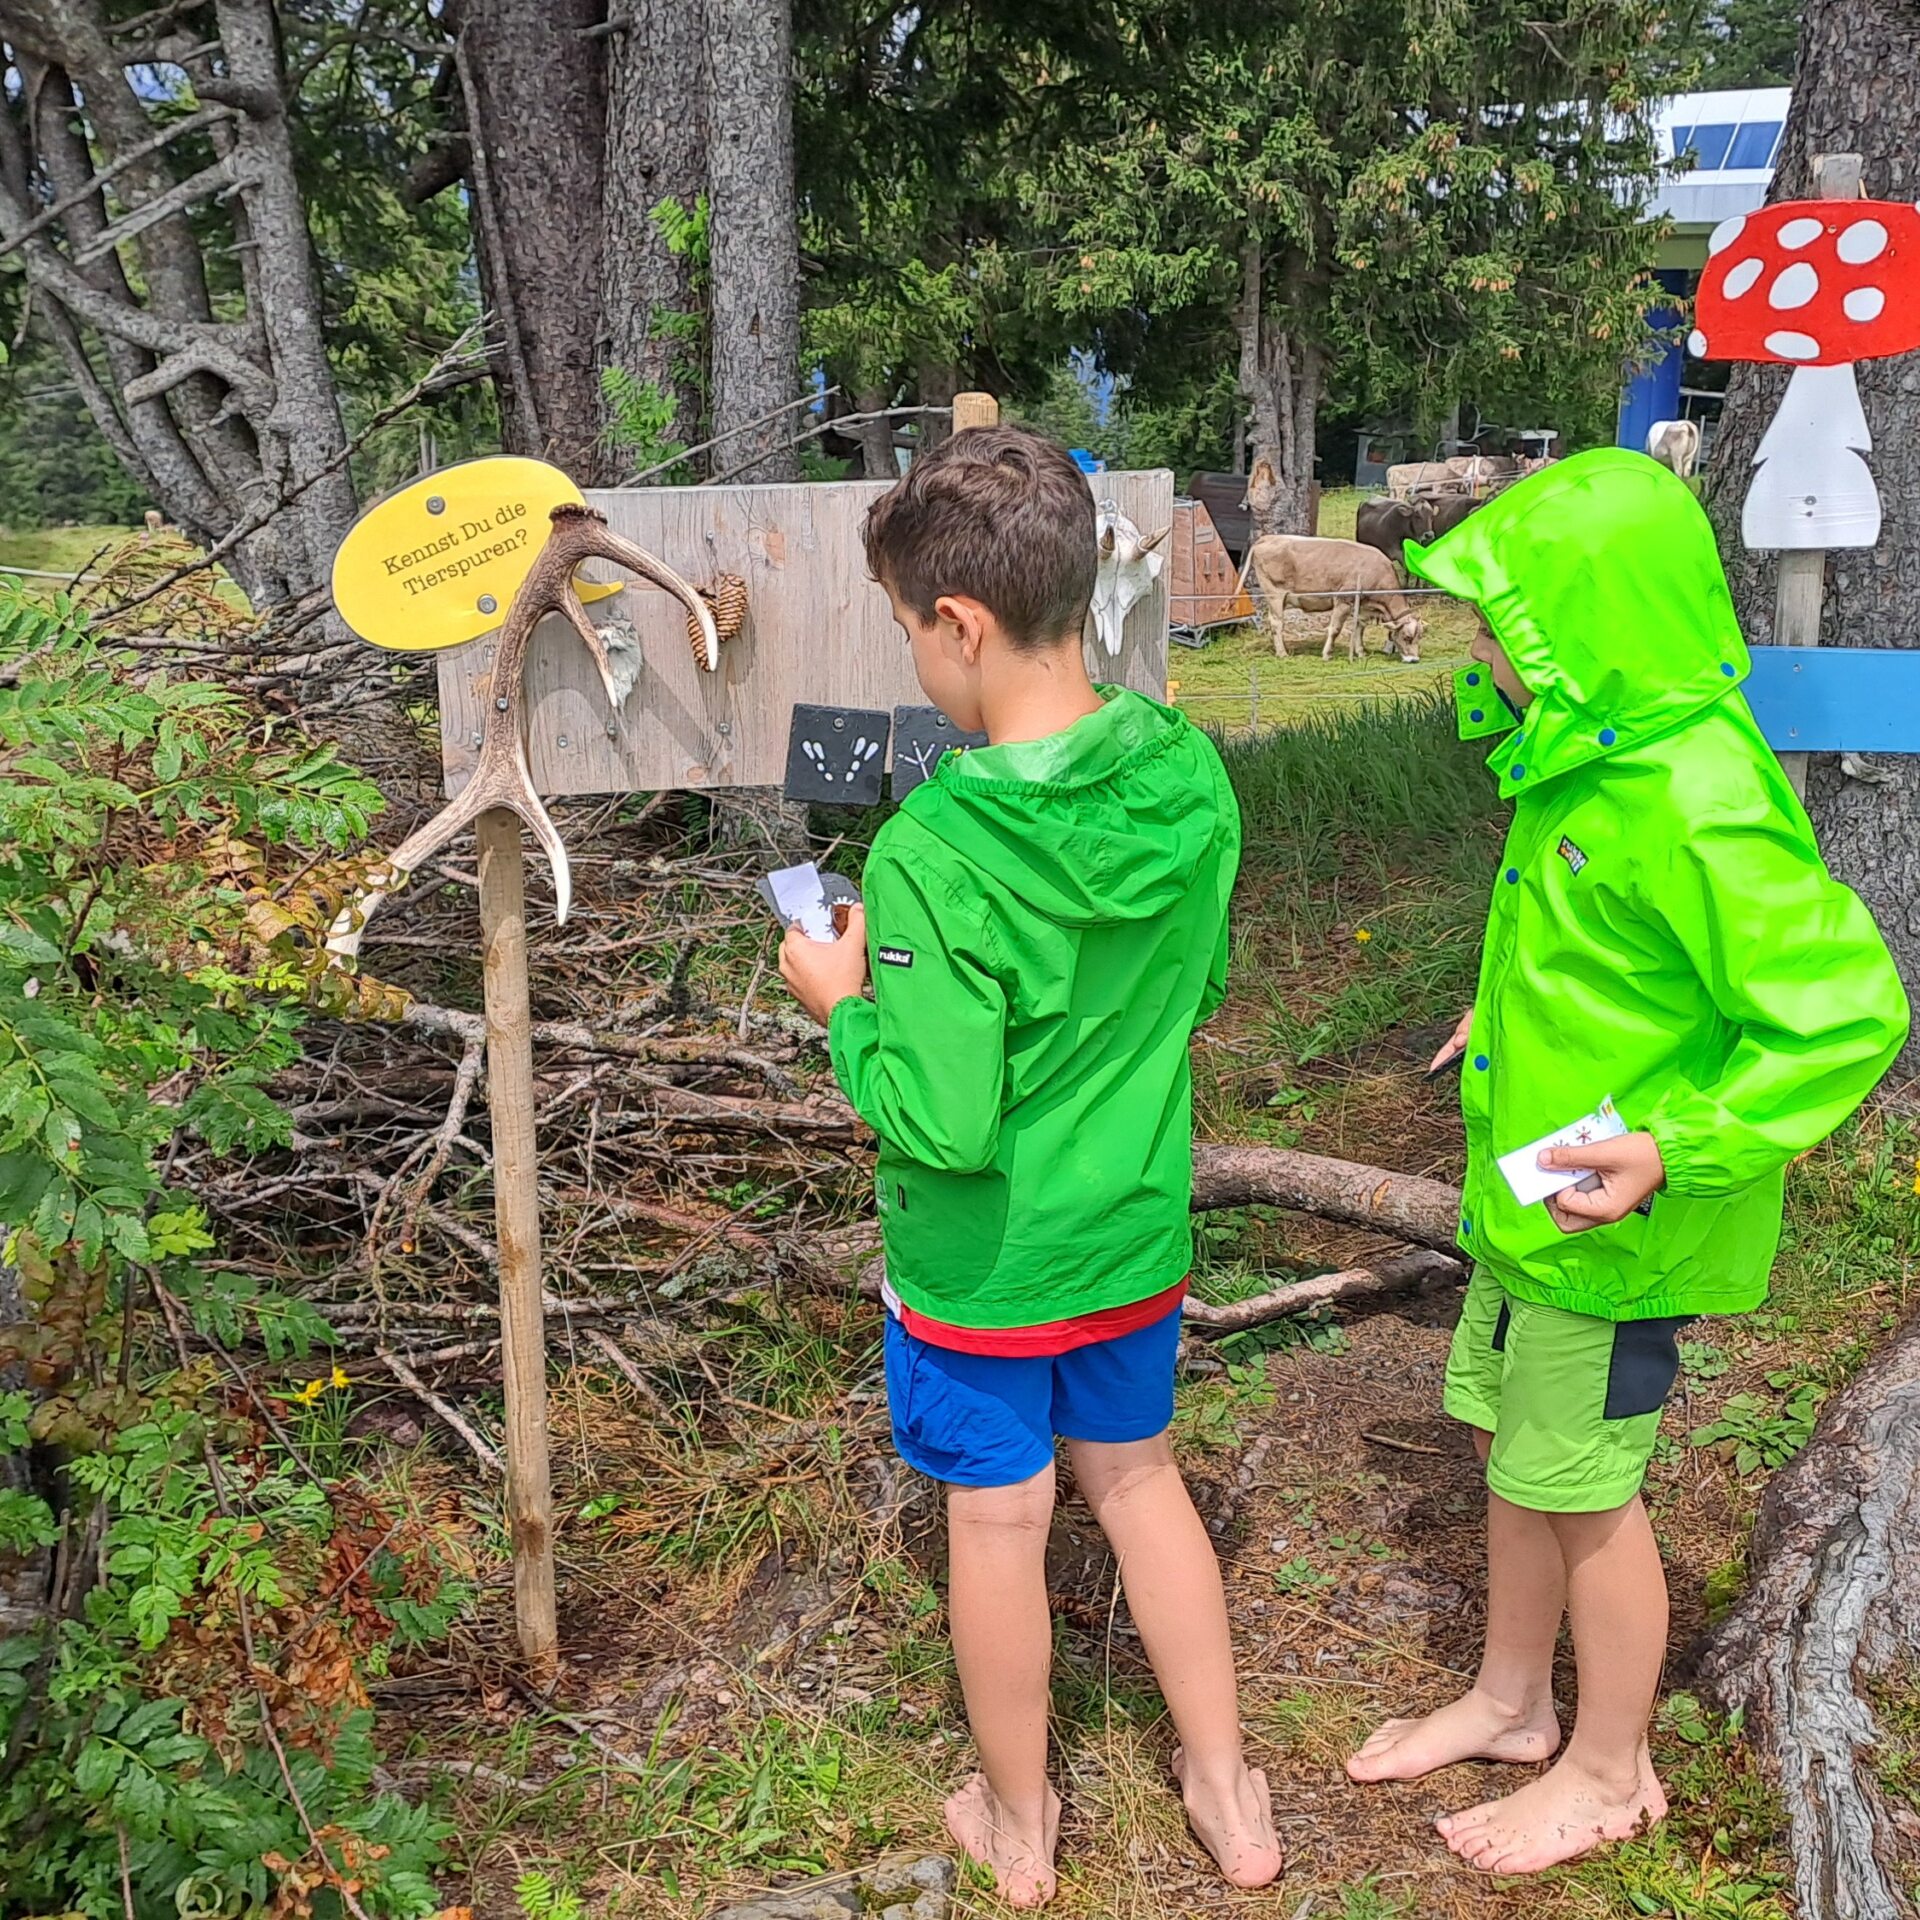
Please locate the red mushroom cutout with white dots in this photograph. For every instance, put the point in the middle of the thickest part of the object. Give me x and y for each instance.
(1814, 285)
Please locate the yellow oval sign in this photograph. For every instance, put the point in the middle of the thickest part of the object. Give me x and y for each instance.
(437, 563)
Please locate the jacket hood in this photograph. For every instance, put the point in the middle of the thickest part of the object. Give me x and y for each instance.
(1107, 821)
(1600, 578)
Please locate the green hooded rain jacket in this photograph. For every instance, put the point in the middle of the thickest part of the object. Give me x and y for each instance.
(1046, 923)
(1662, 928)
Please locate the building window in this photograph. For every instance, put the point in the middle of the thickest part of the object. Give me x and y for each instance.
(1753, 147)
(1710, 144)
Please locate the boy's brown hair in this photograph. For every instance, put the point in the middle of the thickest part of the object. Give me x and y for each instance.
(997, 514)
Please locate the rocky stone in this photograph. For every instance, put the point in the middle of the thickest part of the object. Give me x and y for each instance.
(898, 1886)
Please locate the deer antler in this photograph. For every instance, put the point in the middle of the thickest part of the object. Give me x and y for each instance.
(501, 777)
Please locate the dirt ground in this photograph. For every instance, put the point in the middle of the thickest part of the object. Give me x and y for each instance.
(757, 1686)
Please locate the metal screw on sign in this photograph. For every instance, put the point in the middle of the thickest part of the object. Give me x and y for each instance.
(724, 728)
(488, 604)
(500, 705)
(435, 504)
(613, 730)
(839, 725)
(563, 740)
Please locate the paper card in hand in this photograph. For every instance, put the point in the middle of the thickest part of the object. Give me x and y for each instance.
(1531, 1182)
(817, 901)
(836, 756)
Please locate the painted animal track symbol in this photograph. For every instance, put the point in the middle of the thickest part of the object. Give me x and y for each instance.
(859, 754)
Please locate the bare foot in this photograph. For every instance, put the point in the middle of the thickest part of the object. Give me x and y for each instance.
(1473, 1727)
(1021, 1862)
(1235, 1825)
(1565, 1813)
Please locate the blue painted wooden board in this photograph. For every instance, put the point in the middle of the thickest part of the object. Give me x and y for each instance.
(1834, 699)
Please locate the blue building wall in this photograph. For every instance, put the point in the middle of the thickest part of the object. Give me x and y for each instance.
(1654, 392)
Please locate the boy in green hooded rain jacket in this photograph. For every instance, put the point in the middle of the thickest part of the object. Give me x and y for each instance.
(1047, 921)
(1663, 939)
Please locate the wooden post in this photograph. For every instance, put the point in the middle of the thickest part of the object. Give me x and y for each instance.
(975, 410)
(1800, 584)
(516, 1207)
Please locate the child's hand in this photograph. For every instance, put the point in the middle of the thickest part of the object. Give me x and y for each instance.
(1456, 1043)
(1628, 1169)
(822, 973)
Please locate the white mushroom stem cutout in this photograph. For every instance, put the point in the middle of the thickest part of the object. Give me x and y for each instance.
(1129, 565)
(1814, 285)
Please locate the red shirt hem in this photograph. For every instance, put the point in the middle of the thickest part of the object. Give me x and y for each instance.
(1050, 1337)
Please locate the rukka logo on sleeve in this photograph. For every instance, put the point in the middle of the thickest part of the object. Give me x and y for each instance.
(1571, 854)
(894, 956)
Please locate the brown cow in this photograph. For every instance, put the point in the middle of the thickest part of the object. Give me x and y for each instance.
(1389, 524)
(1447, 510)
(1340, 578)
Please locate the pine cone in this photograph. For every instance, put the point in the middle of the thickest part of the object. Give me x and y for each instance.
(726, 600)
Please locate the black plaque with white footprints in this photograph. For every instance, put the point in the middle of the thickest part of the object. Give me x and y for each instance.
(836, 756)
(920, 736)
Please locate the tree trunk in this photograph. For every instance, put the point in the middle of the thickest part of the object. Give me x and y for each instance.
(1247, 325)
(536, 93)
(877, 458)
(230, 421)
(656, 151)
(1833, 1607)
(1281, 375)
(753, 234)
(1858, 92)
(936, 385)
(303, 448)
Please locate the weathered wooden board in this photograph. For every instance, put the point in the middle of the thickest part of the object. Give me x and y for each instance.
(817, 630)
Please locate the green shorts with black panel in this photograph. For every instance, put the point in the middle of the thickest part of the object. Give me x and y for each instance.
(1573, 1403)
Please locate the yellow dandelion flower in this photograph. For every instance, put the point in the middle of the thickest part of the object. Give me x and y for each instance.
(339, 1378)
(311, 1392)
(1362, 935)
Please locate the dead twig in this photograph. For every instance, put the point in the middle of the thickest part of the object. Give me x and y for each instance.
(1407, 1273)
(483, 1450)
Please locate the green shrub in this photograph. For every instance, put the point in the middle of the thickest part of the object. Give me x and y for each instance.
(185, 1731)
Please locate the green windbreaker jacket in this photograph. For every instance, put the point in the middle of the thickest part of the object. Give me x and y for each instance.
(1662, 928)
(1046, 923)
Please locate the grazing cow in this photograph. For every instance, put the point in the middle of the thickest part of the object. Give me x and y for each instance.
(1128, 566)
(1447, 510)
(1418, 476)
(1341, 578)
(1389, 524)
(1675, 444)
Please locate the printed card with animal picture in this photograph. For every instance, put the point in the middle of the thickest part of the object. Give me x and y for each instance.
(920, 736)
(836, 756)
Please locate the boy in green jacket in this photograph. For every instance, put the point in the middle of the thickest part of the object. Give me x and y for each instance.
(1047, 921)
(1665, 946)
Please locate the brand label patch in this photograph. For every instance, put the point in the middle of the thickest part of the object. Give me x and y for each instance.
(895, 956)
(1571, 854)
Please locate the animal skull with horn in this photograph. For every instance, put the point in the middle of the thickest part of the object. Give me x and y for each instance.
(501, 776)
(1129, 565)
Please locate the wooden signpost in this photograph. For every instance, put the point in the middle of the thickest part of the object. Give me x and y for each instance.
(817, 631)
(1817, 285)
